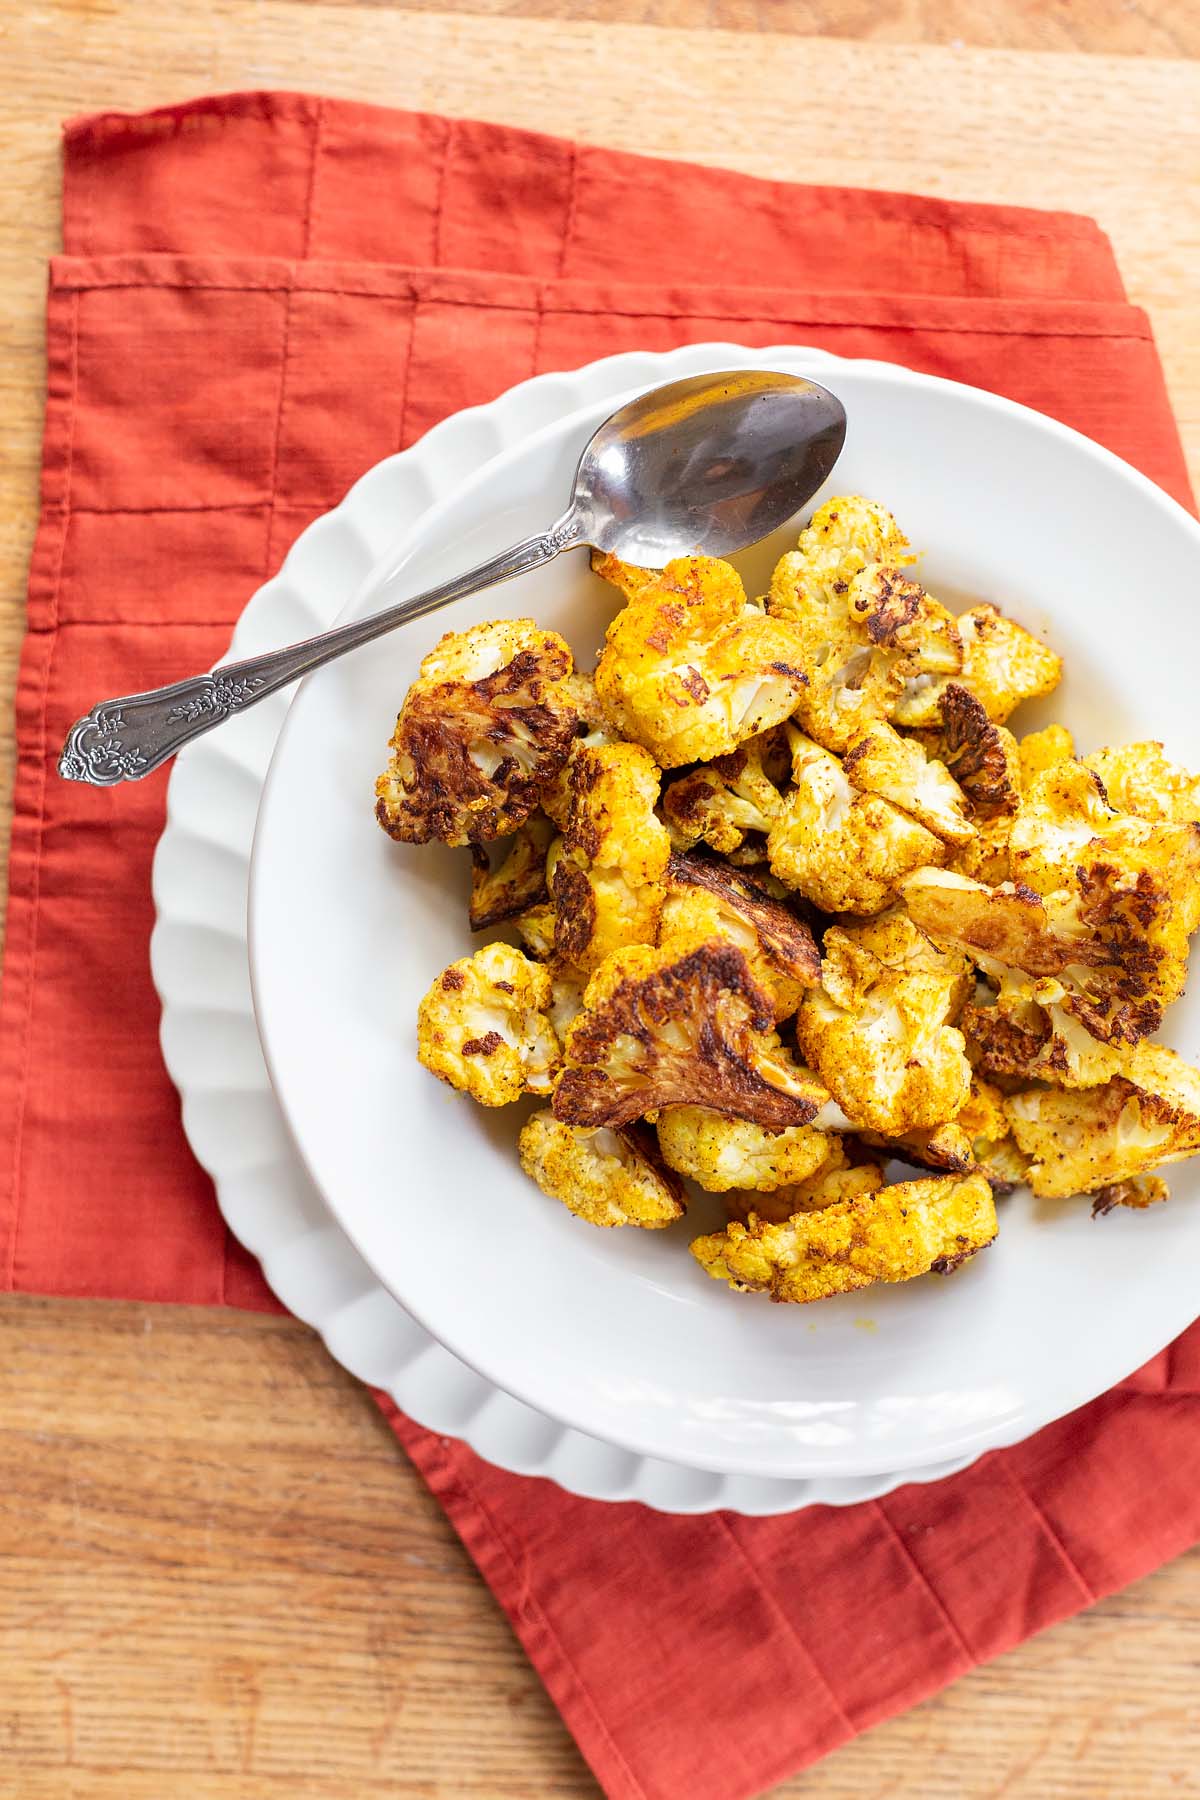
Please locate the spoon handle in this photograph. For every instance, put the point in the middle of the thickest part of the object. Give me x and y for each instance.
(126, 738)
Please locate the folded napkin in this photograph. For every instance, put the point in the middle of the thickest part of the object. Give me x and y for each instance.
(261, 295)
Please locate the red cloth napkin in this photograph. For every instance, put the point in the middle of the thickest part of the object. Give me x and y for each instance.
(261, 295)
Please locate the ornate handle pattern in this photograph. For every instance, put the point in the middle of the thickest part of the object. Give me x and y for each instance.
(123, 740)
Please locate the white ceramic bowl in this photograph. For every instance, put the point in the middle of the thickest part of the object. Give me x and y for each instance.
(619, 1333)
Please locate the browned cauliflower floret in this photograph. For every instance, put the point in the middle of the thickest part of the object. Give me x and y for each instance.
(607, 882)
(1112, 954)
(1030, 1042)
(1080, 1142)
(869, 633)
(1139, 1192)
(706, 899)
(690, 668)
(1045, 749)
(1142, 779)
(517, 882)
(723, 802)
(483, 1027)
(487, 723)
(838, 1178)
(878, 1037)
(842, 849)
(606, 1177)
(721, 1153)
(894, 1234)
(592, 728)
(1061, 811)
(1003, 663)
(883, 762)
(661, 1029)
(984, 758)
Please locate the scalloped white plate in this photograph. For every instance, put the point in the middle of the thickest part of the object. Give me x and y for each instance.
(210, 1042)
(620, 1334)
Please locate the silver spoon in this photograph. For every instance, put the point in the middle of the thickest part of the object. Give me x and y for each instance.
(707, 465)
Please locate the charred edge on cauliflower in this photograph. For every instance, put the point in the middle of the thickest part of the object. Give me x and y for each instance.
(443, 791)
(516, 883)
(574, 911)
(895, 602)
(627, 1058)
(974, 752)
(784, 937)
(1138, 1192)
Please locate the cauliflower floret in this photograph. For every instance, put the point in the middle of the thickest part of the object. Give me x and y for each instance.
(1030, 1042)
(894, 1234)
(483, 1027)
(707, 899)
(607, 882)
(1061, 811)
(868, 632)
(983, 758)
(517, 882)
(537, 930)
(1003, 663)
(1142, 779)
(722, 1153)
(882, 762)
(592, 728)
(1138, 1193)
(722, 802)
(606, 1177)
(977, 1139)
(1082, 1142)
(488, 721)
(1112, 953)
(838, 1178)
(690, 668)
(843, 850)
(626, 577)
(663, 1029)
(878, 1037)
(843, 536)
(1045, 749)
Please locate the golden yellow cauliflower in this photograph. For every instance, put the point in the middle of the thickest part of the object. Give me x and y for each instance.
(606, 1177)
(607, 881)
(690, 668)
(721, 1153)
(880, 761)
(877, 1036)
(1045, 749)
(483, 1027)
(894, 1234)
(721, 803)
(706, 899)
(1081, 1142)
(1142, 779)
(669, 1028)
(1003, 663)
(488, 722)
(842, 849)
(837, 1179)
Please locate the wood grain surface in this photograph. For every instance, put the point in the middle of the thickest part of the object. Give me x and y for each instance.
(218, 1576)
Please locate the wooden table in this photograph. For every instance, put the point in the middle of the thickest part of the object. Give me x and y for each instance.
(218, 1577)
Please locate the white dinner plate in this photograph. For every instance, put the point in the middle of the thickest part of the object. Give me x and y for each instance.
(210, 1043)
(619, 1333)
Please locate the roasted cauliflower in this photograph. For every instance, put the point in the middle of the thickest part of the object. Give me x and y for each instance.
(483, 1027)
(1082, 1142)
(1045, 749)
(882, 762)
(607, 881)
(606, 1177)
(690, 667)
(842, 849)
(838, 1178)
(659, 1028)
(487, 723)
(893, 1234)
(721, 1153)
(723, 802)
(877, 1035)
(707, 899)
(516, 882)
(1141, 779)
